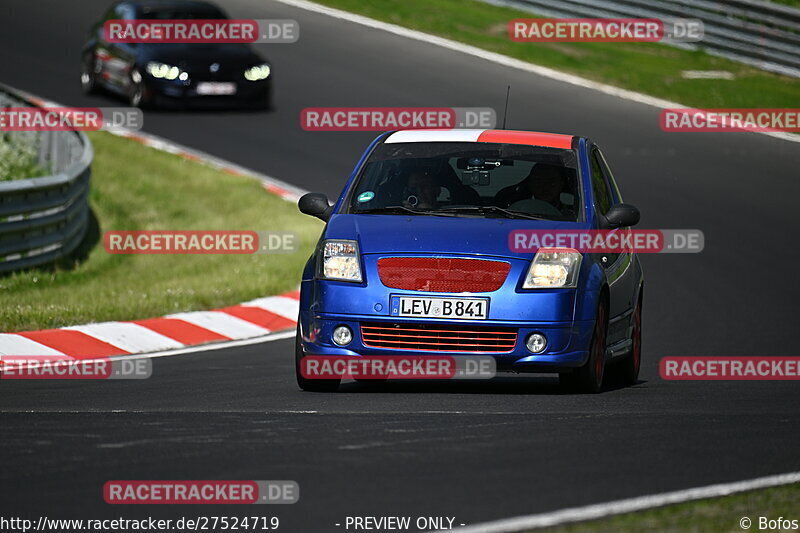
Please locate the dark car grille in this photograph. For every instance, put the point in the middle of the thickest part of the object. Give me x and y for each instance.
(442, 274)
(227, 71)
(227, 75)
(438, 337)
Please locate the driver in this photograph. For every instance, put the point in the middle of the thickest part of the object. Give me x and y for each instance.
(545, 182)
(423, 191)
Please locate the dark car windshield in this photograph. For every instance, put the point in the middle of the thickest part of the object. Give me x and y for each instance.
(180, 12)
(469, 179)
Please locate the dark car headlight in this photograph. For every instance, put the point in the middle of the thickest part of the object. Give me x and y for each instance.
(165, 71)
(258, 72)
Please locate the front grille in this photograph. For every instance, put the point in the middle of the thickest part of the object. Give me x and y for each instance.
(442, 274)
(203, 72)
(438, 337)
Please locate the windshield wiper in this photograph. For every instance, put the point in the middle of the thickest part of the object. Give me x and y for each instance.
(493, 210)
(401, 210)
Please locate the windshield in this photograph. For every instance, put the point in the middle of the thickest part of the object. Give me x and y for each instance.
(469, 179)
(180, 12)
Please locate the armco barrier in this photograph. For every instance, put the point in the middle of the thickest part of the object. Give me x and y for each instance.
(759, 33)
(44, 219)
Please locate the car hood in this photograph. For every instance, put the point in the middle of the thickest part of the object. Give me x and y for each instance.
(198, 55)
(382, 234)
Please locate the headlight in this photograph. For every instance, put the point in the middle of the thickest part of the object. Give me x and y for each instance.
(340, 261)
(162, 70)
(259, 72)
(554, 268)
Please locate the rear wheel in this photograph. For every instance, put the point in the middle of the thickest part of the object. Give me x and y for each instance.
(311, 385)
(630, 366)
(589, 377)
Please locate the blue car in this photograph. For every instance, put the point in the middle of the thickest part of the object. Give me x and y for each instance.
(419, 257)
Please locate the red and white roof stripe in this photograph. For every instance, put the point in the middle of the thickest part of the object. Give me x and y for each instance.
(250, 319)
(532, 138)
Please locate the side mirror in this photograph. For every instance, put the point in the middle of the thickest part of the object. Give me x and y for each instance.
(622, 215)
(315, 204)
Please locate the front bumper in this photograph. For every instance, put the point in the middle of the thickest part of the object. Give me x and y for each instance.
(326, 304)
(167, 92)
(567, 342)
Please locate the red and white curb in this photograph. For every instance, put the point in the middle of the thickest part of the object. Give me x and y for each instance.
(252, 319)
(171, 333)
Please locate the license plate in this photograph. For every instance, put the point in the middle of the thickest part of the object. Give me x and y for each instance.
(431, 307)
(216, 88)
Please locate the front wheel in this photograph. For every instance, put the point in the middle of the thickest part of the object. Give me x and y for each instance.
(589, 377)
(137, 93)
(310, 385)
(89, 75)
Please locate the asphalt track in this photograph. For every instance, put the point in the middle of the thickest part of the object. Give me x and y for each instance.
(475, 451)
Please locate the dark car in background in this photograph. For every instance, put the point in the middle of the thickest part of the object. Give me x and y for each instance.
(150, 74)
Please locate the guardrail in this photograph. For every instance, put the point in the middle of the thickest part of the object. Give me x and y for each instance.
(762, 34)
(44, 219)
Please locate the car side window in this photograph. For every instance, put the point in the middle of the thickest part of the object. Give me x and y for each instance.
(616, 196)
(602, 194)
(110, 14)
(125, 12)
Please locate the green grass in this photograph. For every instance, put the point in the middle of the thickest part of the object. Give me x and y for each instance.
(793, 3)
(139, 188)
(18, 160)
(649, 68)
(718, 514)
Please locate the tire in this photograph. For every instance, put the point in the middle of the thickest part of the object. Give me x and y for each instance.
(589, 377)
(629, 368)
(88, 75)
(310, 385)
(136, 92)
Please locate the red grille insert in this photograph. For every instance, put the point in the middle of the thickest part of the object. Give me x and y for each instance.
(442, 274)
(438, 337)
